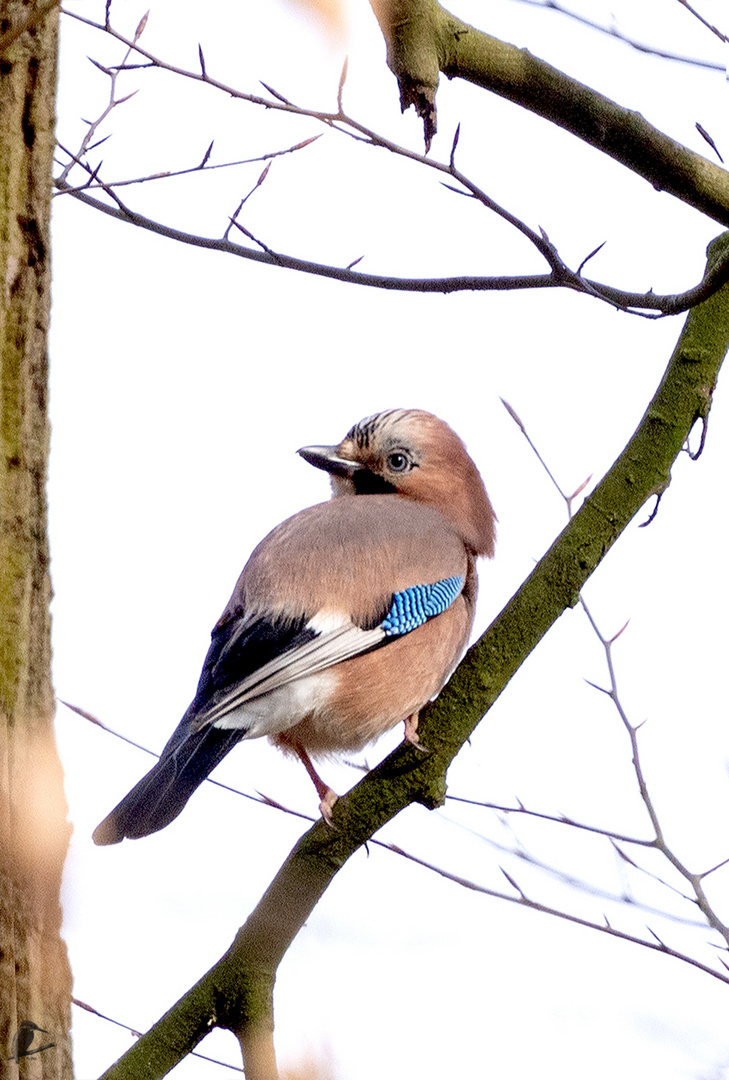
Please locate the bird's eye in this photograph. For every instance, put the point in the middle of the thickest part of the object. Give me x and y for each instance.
(397, 461)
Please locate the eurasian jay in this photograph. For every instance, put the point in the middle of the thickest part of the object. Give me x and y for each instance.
(347, 618)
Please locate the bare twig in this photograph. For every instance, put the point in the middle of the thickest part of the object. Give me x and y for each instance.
(672, 304)
(613, 32)
(515, 852)
(138, 1034)
(642, 304)
(659, 842)
(707, 138)
(112, 103)
(204, 166)
(704, 22)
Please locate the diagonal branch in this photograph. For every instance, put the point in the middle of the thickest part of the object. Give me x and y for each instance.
(617, 35)
(237, 993)
(424, 40)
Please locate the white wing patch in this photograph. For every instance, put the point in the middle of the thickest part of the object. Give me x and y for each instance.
(336, 641)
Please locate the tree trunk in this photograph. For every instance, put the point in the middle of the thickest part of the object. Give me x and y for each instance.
(35, 980)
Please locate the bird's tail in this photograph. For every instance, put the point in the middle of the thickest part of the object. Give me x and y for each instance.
(162, 794)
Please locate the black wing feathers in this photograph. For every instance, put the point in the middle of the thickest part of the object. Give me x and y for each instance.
(237, 649)
(162, 794)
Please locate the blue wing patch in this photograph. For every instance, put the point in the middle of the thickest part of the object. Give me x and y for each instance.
(414, 606)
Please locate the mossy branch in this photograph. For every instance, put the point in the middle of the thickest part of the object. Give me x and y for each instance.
(237, 993)
(423, 39)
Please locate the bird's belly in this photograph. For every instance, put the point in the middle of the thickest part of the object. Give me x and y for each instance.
(273, 713)
(372, 693)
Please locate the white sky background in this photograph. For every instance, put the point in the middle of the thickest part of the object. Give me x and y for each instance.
(183, 383)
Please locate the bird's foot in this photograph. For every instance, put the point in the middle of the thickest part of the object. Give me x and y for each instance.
(411, 733)
(328, 799)
(325, 793)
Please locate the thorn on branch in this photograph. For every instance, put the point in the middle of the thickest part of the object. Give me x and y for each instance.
(581, 488)
(101, 67)
(202, 61)
(468, 194)
(718, 866)
(121, 100)
(206, 156)
(269, 251)
(95, 173)
(456, 137)
(262, 177)
(354, 262)
(268, 801)
(623, 856)
(695, 455)
(140, 27)
(587, 258)
(98, 143)
(602, 689)
(513, 884)
(705, 135)
(653, 513)
(275, 93)
(622, 629)
(82, 712)
(514, 415)
(306, 142)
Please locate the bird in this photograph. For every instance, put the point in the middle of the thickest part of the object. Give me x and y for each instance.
(23, 1041)
(345, 621)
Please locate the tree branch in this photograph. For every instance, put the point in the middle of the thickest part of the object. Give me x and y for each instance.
(237, 993)
(670, 304)
(423, 39)
(617, 35)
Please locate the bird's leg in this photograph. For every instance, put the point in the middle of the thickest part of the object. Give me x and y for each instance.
(326, 795)
(411, 732)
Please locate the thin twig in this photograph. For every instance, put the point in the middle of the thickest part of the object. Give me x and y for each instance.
(613, 32)
(641, 304)
(705, 22)
(138, 1034)
(204, 166)
(659, 842)
(518, 853)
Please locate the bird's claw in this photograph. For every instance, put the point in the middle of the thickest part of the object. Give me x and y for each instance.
(327, 805)
(411, 734)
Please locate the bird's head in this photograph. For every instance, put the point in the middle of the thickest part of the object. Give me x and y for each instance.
(413, 454)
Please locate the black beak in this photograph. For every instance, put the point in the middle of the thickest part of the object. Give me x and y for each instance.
(327, 458)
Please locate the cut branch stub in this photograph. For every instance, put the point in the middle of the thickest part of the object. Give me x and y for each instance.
(411, 29)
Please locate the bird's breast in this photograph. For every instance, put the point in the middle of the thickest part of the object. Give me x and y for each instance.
(369, 694)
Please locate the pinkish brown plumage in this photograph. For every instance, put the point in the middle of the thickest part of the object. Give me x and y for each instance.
(347, 618)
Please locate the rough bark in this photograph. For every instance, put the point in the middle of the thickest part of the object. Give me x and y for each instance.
(35, 983)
